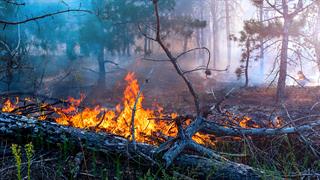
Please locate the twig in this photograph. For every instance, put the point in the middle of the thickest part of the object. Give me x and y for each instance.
(174, 59)
(101, 120)
(304, 139)
(134, 109)
(6, 22)
(218, 104)
(14, 3)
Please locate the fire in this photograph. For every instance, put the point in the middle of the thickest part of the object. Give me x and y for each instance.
(119, 121)
(247, 122)
(8, 106)
(151, 126)
(116, 122)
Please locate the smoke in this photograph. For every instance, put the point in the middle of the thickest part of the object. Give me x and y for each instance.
(63, 51)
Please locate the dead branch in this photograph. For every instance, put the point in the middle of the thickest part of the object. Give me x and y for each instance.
(155, 60)
(7, 22)
(174, 59)
(111, 62)
(134, 109)
(213, 128)
(14, 2)
(217, 106)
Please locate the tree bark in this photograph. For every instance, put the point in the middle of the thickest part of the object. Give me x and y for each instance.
(246, 71)
(214, 33)
(284, 53)
(228, 31)
(261, 14)
(185, 43)
(102, 68)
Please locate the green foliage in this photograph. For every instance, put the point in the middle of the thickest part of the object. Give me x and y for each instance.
(29, 152)
(249, 41)
(16, 150)
(148, 176)
(257, 2)
(118, 168)
(115, 27)
(272, 29)
(182, 25)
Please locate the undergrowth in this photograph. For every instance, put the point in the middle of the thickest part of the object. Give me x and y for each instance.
(282, 157)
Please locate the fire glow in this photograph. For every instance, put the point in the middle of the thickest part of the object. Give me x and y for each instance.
(149, 124)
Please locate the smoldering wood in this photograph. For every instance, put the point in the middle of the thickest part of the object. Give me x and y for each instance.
(16, 127)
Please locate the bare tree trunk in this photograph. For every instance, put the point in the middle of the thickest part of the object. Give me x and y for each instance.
(147, 44)
(317, 38)
(214, 33)
(185, 43)
(261, 13)
(102, 68)
(70, 50)
(201, 40)
(228, 32)
(145, 49)
(284, 53)
(246, 72)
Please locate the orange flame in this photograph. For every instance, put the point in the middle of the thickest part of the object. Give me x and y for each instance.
(118, 121)
(150, 125)
(8, 106)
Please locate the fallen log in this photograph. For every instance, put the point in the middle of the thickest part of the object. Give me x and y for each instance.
(218, 130)
(24, 129)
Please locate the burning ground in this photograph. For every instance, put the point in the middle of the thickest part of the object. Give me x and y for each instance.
(151, 125)
(157, 124)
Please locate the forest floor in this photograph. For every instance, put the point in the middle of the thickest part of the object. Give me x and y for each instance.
(280, 155)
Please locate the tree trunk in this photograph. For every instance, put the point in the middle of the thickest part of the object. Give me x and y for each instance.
(102, 68)
(317, 38)
(147, 44)
(228, 32)
(201, 35)
(261, 13)
(246, 72)
(284, 53)
(214, 33)
(185, 44)
(70, 50)
(145, 48)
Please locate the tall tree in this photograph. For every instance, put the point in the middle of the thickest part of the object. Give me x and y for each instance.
(228, 30)
(215, 31)
(286, 12)
(261, 19)
(115, 29)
